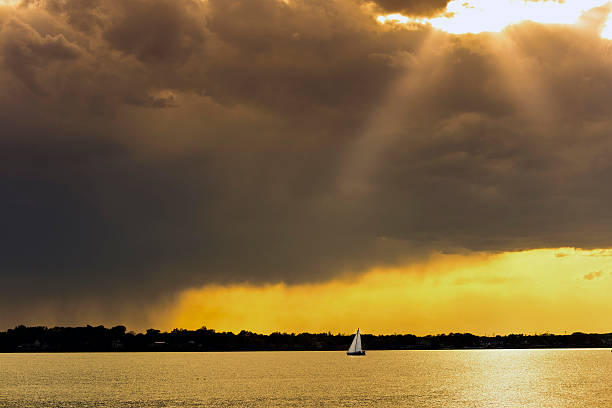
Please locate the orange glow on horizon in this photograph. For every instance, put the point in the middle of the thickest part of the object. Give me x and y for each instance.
(550, 290)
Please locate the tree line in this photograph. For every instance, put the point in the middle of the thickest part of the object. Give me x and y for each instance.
(102, 339)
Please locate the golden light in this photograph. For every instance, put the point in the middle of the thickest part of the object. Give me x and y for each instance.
(477, 16)
(552, 290)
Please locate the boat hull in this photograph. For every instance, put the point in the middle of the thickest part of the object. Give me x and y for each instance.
(355, 353)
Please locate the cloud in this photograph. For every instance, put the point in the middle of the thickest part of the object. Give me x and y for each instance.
(593, 275)
(290, 142)
(413, 7)
(160, 31)
(25, 49)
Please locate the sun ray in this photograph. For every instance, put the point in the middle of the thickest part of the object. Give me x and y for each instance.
(520, 82)
(391, 120)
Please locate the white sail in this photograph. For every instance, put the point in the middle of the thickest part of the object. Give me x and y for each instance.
(356, 344)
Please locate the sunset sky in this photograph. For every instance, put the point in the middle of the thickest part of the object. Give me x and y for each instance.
(402, 166)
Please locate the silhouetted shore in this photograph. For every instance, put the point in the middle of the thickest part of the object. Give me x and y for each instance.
(99, 338)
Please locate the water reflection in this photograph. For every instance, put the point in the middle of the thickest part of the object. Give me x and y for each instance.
(467, 378)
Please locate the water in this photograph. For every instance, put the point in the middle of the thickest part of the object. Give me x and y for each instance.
(466, 378)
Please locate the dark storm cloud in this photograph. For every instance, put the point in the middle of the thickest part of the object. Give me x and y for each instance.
(24, 49)
(166, 31)
(413, 7)
(153, 145)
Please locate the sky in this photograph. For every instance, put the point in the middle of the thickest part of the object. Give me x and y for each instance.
(402, 166)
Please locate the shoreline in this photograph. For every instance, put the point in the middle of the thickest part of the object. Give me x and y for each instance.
(117, 339)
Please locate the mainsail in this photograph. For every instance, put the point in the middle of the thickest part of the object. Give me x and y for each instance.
(356, 344)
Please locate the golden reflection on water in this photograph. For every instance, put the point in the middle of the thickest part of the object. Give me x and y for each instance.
(466, 378)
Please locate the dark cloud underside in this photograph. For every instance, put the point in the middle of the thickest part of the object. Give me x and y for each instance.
(413, 7)
(153, 145)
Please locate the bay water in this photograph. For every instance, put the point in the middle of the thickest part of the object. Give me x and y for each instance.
(446, 378)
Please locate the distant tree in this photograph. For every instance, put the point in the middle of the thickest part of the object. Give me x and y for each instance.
(152, 332)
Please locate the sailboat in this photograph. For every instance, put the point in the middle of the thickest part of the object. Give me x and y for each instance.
(355, 349)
